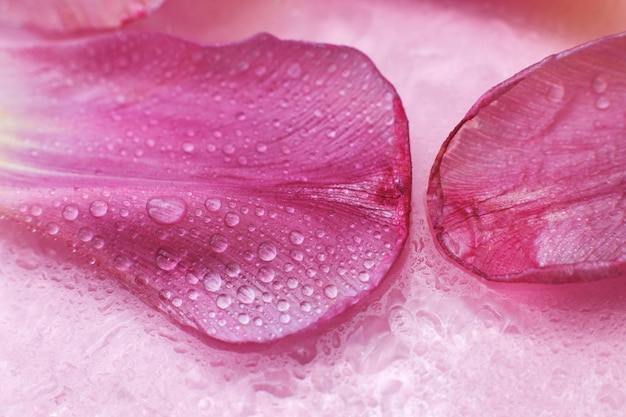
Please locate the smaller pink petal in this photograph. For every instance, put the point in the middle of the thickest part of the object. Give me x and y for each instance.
(73, 15)
(531, 185)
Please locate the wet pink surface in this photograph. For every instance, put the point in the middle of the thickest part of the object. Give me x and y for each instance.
(432, 341)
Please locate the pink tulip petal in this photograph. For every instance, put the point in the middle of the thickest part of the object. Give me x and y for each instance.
(250, 190)
(73, 15)
(530, 185)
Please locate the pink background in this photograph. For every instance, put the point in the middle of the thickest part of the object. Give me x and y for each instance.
(433, 341)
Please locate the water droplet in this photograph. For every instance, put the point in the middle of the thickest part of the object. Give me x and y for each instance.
(213, 204)
(267, 251)
(285, 318)
(368, 264)
(292, 283)
(282, 305)
(307, 290)
(243, 318)
(296, 237)
(261, 147)
(85, 234)
(122, 263)
(165, 259)
(166, 210)
(192, 294)
(232, 269)
(52, 228)
(70, 212)
(223, 301)
(330, 291)
(246, 294)
(231, 219)
(212, 281)
(218, 243)
(36, 210)
(165, 294)
(98, 208)
(188, 147)
(177, 302)
(97, 242)
(228, 149)
(602, 103)
(599, 84)
(266, 274)
(305, 306)
(364, 276)
(294, 70)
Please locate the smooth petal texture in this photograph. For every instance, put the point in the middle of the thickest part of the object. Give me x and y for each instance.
(250, 190)
(530, 185)
(73, 15)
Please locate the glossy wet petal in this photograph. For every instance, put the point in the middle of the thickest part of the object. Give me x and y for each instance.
(72, 15)
(250, 190)
(530, 185)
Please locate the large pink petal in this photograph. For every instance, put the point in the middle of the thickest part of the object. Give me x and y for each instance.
(72, 15)
(530, 185)
(249, 190)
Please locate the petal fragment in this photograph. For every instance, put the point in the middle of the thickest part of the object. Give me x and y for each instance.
(73, 15)
(530, 186)
(250, 190)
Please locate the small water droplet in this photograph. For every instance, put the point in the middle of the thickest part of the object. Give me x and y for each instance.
(36, 210)
(296, 237)
(165, 259)
(266, 274)
(602, 103)
(261, 147)
(307, 290)
(294, 70)
(52, 228)
(231, 219)
(246, 294)
(166, 210)
(282, 305)
(212, 281)
(97, 242)
(364, 276)
(213, 204)
(232, 269)
(243, 318)
(177, 302)
(330, 291)
(70, 212)
(599, 84)
(285, 318)
(292, 283)
(228, 149)
(267, 251)
(192, 294)
(223, 301)
(305, 306)
(188, 147)
(218, 243)
(122, 263)
(98, 208)
(165, 294)
(556, 92)
(85, 234)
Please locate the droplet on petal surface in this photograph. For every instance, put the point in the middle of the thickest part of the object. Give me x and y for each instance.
(530, 185)
(243, 215)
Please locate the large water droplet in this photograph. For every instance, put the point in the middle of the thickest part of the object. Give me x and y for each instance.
(223, 301)
(166, 210)
(243, 318)
(85, 234)
(165, 259)
(282, 305)
(212, 281)
(70, 212)
(218, 243)
(246, 294)
(267, 251)
(98, 208)
(52, 228)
